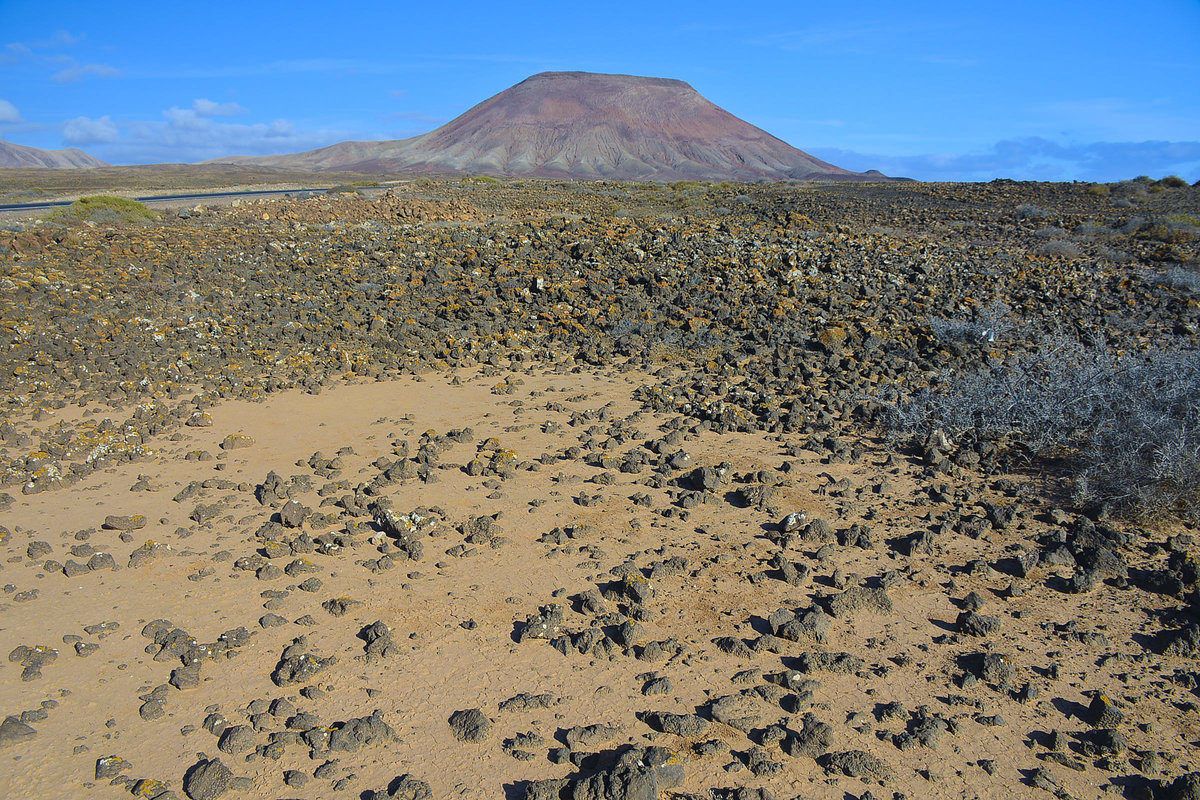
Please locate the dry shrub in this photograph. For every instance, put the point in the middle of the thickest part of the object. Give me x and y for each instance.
(1128, 427)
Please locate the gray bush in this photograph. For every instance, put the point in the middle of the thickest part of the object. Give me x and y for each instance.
(991, 324)
(1128, 426)
(1058, 249)
(1178, 278)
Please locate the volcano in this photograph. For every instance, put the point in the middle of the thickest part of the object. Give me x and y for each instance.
(582, 125)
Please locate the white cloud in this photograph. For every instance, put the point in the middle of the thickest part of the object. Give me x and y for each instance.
(1034, 158)
(186, 119)
(14, 51)
(8, 112)
(83, 130)
(186, 135)
(210, 108)
(78, 72)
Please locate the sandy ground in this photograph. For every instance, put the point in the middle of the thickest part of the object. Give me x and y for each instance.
(455, 615)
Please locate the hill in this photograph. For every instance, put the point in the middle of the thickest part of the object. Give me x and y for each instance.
(19, 155)
(583, 125)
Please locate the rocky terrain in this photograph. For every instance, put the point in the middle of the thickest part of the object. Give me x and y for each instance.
(583, 126)
(582, 490)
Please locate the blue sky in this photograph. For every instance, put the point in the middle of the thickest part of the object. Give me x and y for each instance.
(937, 91)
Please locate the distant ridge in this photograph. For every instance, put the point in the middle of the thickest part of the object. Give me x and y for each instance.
(18, 155)
(582, 125)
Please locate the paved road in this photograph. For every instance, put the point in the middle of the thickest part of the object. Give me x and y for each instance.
(161, 198)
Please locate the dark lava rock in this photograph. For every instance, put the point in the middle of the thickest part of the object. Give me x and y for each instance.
(856, 764)
(996, 668)
(638, 774)
(293, 514)
(185, 677)
(811, 741)
(12, 730)
(843, 663)
(110, 767)
(546, 624)
(297, 666)
(1183, 642)
(1102, 713)
(589, 735)
(859, 598)
(36, 550)
(124, 523)
(629, 633)
(207, 779)
(1185, 787)
(810, 625)
(735, 710)
(338, 606)
(1102, 742)
(685, 725)
(353, 734)
(32, 659)
(659, 685)
(526, 701)
(470, 725)
(792, 573)
(405, 787)
(152, 710)
(237, 739)
(378, 637)
(973, 623)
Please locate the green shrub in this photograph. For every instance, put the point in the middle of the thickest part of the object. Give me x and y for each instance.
(103, 209)
(479, 179)
(1173, 182)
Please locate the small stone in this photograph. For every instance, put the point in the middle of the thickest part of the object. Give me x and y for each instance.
(185, 677)
(12, 730)
(470, 725)
(124, 523)
(973, 623)
(237, 739)
(1102, 713)
(110, 767)
(152, 710)
(206, 780)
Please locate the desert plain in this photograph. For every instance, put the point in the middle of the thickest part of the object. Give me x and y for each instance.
(455, 487)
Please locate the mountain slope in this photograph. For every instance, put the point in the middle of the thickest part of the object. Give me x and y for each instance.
(18, 155)
(585, 126)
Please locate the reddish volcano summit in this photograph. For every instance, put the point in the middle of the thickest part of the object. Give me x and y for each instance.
(585, 125)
